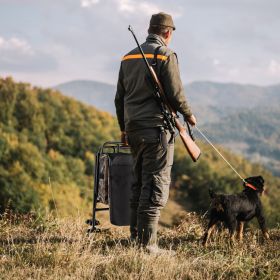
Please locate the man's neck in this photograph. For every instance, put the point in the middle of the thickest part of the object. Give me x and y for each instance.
(157, 37)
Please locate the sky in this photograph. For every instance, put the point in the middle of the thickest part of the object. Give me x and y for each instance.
(48, 42)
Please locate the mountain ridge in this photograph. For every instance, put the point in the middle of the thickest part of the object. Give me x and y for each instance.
(200, 94)
(228, 111)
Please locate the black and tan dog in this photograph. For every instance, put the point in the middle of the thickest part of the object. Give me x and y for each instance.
(236, 209)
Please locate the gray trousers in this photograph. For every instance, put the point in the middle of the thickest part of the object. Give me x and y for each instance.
(153, 153)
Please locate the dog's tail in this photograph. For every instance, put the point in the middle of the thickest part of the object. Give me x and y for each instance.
(212, 193)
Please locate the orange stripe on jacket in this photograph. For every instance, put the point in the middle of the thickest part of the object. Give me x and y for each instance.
(148, 55)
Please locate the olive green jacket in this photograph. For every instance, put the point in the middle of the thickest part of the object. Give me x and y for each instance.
(136, 106)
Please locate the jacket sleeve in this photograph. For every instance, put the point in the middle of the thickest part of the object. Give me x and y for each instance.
(172, 85)
(119, 101)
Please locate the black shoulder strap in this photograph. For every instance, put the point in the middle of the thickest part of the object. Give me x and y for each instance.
(154, 62)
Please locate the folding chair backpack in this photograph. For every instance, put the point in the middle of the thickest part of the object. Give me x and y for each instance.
(113, 178)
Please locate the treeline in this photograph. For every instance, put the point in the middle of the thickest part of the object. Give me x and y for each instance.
(259, 131)
(47, 145)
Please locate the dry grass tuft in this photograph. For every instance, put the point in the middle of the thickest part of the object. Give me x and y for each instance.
(60, 249)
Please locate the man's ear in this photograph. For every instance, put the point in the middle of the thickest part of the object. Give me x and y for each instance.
(167, 34)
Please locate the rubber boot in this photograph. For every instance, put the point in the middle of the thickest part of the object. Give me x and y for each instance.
(147, 238)
(133, 225)
(147, 232)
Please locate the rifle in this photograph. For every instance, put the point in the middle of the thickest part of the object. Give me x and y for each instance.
(170, 117)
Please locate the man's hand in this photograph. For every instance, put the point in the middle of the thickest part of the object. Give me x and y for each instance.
(191, 120)
(124, 138)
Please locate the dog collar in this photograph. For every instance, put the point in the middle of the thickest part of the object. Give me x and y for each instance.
(250, 186)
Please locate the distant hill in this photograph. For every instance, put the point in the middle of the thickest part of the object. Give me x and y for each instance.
(254, 133)
(210, 101)
(237, 116)
(97, 94)
(232, 95)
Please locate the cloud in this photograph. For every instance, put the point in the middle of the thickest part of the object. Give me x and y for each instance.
(133, 7)
(129, 7)
(15, 44)
(18, 55)
(274, 68)
(88, 3)
(216, 62)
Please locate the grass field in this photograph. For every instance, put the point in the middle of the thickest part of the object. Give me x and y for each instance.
(60, 249)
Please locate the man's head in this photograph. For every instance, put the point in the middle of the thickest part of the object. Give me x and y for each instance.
(162, 25)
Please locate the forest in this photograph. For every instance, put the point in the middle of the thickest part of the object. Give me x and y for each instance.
(47, 146)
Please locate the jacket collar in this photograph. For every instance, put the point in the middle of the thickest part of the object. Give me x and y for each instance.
(154, 38)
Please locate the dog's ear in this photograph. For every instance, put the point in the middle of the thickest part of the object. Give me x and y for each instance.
(260, 184)
(261, 179)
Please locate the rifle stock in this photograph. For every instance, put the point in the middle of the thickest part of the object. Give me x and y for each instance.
(188, 142)
(191, 147)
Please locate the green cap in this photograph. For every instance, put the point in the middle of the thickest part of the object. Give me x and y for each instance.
(162, 19)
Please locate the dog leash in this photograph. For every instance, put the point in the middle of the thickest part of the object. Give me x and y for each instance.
(209, 142)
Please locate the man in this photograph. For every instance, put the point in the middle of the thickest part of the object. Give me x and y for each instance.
(141, 121)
